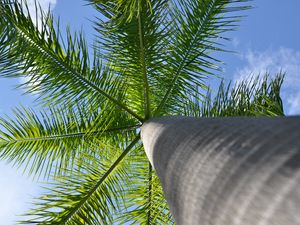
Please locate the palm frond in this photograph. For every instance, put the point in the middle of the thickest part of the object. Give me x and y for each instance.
(140, 46)
(48, 142)
(143, 198)
(57, 71)
(198, 29)
(254, 96)
(91, 195)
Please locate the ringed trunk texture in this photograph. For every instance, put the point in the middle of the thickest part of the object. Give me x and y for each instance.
(227, 171)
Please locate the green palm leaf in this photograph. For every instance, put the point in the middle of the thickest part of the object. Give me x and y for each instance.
(48, 142)
(144, 200)
(254, 96)
(123, 9)
(198, 27)
(140, 46)
(56, 73)
(90, 195)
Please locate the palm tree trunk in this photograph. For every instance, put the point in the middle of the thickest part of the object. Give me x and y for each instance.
(227, 171)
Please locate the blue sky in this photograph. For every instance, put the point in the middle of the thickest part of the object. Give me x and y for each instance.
(267, 40)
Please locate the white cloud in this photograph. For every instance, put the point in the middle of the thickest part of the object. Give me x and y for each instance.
(45, 4)
(235, 42)
(274, 61)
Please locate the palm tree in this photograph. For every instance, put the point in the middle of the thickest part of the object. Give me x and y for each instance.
(151, 58)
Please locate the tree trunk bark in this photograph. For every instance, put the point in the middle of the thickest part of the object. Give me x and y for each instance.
(227, 171)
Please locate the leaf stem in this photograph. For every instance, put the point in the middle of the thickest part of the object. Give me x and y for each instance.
(27, 37)
(97, 185)
(185, 57)
(150, 193)
(78, 134)
(144, 69)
